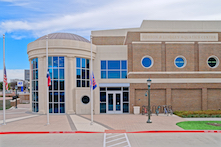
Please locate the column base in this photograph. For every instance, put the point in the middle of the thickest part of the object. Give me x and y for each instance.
(42, 112)
(71, 112)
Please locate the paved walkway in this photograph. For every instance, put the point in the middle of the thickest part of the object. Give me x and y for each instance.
(22, 120)
(131, 122)
(83, 124)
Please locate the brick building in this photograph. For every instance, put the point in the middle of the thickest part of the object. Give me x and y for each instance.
(180, 57)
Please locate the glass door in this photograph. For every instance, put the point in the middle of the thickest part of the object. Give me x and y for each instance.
(114, 102)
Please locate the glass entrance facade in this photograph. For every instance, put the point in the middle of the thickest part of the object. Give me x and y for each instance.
(114, 100)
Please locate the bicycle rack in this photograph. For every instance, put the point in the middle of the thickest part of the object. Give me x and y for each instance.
(169, 109)
(154, 108)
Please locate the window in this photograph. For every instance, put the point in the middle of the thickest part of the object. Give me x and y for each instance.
(180, 62)
(213, 61)
(34, 69)
(56, 68)
(147, 62)
(113, 69)
(82, 72)
(85, 99)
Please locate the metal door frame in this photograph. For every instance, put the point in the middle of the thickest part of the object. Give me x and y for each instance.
(114, 102)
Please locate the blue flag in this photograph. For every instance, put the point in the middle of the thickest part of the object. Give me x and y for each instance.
(93, 82)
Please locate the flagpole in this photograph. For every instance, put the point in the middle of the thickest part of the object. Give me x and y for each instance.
(47, 79)
(91, 85)
(3, 80)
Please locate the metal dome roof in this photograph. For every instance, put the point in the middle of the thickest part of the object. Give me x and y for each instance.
(67, 36)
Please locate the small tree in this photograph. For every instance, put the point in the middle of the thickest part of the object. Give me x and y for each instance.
(1, 86)
(12, 85)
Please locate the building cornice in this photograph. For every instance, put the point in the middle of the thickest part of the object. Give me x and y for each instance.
(174, 72)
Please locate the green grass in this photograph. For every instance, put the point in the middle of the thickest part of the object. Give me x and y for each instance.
(198, 125)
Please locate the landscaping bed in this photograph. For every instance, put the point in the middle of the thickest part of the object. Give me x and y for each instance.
(200, 125)
(7, 104)
(199, 114)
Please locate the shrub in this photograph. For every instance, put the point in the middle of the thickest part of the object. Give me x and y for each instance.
(207, 113)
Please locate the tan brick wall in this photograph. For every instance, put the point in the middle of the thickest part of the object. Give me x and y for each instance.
(195, 54)
(204, 99)
(214, 99)
(115, 40)
(24, 98)
(132, 36)
(157, 97)
(141, 50)
(205, 51)
(174, 50)
(180, 96)
(130, 58)
(186, 99)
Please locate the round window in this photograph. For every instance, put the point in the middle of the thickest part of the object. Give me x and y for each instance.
(85, 99)
(213, 61)
(147, 62)
(180, 62)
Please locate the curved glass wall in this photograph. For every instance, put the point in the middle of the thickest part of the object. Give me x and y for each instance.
(34, 69)
(82, 72)
(56, 68)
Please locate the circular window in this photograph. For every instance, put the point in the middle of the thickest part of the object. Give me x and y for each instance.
(147, 62)
(213, 61)
(85, 99)
(180, 62)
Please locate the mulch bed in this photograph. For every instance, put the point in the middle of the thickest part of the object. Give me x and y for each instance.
(214, 124)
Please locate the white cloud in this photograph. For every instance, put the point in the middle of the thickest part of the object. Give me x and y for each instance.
(18, 37)
(118, 14)
(21, 3)
(12, 74)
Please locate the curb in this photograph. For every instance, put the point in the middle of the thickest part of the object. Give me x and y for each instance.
(113, 131)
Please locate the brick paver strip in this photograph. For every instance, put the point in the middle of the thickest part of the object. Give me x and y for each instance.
(73, 127)
(115, 131)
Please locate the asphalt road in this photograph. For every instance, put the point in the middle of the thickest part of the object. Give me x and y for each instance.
(96, 140)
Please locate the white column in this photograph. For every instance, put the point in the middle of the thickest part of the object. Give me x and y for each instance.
(74, 84)
(42, 97)
(70, 79)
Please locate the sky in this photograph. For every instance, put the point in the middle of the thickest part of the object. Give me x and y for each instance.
(23, 21)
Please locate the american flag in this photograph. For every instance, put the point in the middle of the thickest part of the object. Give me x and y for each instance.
(5, 79)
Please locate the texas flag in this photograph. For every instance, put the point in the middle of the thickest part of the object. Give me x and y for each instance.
(49, 79)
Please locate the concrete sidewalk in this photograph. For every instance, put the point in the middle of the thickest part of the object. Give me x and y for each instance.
(22, 120)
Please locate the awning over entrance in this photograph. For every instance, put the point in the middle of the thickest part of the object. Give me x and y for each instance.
(114, 84)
